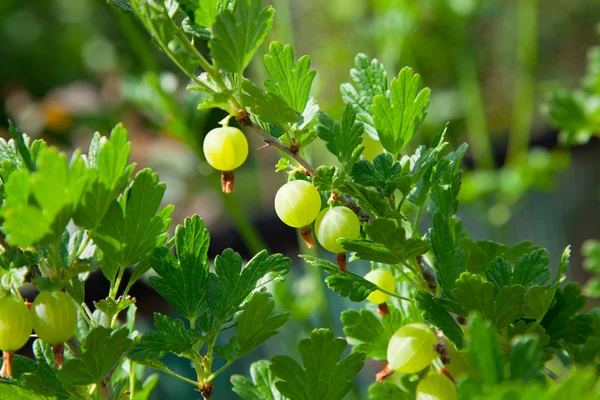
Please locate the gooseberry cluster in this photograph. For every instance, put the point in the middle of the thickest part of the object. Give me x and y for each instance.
(298, 204)
(53, 317)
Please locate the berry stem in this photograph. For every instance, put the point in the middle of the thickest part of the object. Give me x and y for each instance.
(59, 355)
(244, 120)
(383, 309)
(384, 373)
(227, 181)
(341, 261)
(306, 233)
(6, 371)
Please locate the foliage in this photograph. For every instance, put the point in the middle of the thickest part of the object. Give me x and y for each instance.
(494, 306)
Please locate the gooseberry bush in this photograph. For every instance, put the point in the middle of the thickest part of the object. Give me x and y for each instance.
(446, 316)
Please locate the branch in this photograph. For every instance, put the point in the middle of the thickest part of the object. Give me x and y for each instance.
(244, 120)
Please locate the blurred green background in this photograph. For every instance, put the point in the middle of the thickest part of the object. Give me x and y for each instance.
(69, 68)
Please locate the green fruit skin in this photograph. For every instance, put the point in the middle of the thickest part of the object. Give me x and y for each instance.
(436, 387)
(15, 324)
(225, 148)
(411, 348)
(335, 223)
(297, 203)
(54, 317)
(385, 280)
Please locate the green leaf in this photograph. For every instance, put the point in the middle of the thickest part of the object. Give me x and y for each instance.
(171, 336)
(499, 273)
(255, 324)
(269, 106)
(526, 358)
(369, 80)
(565, 258)
(260, 387)
(591, 254)
(382, 174)
(475, 258)
(437, 316)
(473, 293)
(327, 178)
(291, 80)
(567, 111)
(484, 350)
(398, 114)
(537, 301)
(133, 226)
(232, 284)
(39, 206)
(341, 138)
(347, 284)
(388, 390)
(369, 199)
(203, 13)
(20, 147)
(16, 392)
(507, 305)
(112, 307)
(183, 282)
(532, 269)
(562, 322)
(370, 335)
(39, 377)
(324, 376)
(448, 260)
(100, 351)
(237, 36)
(389, 243)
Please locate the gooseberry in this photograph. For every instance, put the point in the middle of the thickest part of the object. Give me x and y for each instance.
(226, 149)
(383, 279)
(436, 387)
(411, 348)
(54, 317)
(15, 324)
(334, 223)
(297, 203)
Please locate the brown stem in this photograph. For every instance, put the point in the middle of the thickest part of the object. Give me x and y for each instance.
(383, 309)
(306, 233)
(227, 181)
(441, 347)
(206, 390)
(341, 261)
(427, 275)
(444, 371)
(6, 370)
(59, 355)
(244, 120)
(384, 373)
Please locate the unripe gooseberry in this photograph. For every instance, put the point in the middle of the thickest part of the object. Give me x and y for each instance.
(411, 348)
(385, 280)
(335, 223)
(225, 149)
(436, 387)
(15, 324)
(54, 317)
(297, 203)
